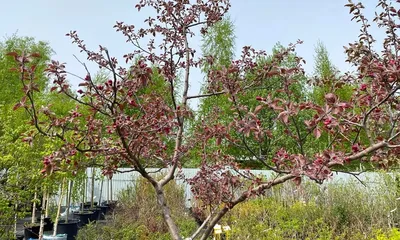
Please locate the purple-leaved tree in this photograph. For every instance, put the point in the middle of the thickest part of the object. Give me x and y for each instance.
(139, 116)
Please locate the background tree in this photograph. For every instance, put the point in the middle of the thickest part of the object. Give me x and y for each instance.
(17, 158)
(9, 92)
(329, 79)
(218, 44)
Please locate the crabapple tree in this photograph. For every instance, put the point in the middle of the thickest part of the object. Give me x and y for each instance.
(125, 123)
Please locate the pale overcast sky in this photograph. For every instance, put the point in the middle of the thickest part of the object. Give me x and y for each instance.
(259, 23)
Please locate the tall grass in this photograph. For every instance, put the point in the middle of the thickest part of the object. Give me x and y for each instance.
(340, 210)
(337, 210)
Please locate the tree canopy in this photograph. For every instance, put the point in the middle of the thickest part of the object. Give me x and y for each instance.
(261, 107)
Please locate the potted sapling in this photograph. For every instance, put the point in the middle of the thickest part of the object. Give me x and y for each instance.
(83, 214)
(67, 225)
(56, 236)
(93, 205)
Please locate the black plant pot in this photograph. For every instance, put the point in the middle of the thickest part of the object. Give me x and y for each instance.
(48, 224)
(103, 212)
(85, 205)
(96, 213)
(70, 228)
(90, 203)
(84, 217)
(111, 205)
(19, 237)
(31, 232)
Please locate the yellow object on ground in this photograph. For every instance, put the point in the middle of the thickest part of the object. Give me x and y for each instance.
(221, 233)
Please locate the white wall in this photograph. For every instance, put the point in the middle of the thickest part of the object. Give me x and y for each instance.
(121, 181)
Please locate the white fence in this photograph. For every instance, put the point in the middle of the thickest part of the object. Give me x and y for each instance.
(121, 181)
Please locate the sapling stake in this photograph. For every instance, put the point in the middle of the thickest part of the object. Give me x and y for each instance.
(101, 190)
(34, 207)
(92, 190)
(83, 195)
(15, 213)
(42, 213)
(15, 219)
(69, 194)
(108, 190)
(59, 208)
(33, 220)
(85, 190)
(111, 190)
(47, 207)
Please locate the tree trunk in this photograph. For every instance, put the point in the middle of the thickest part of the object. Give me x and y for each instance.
(92, 192)
(213, 222)
(172, 228)
(85, 190)
(15, 219)
(108, 190)
(47, 206)
(42, 214)
(111, 190)
(59, 208)
(69, 194)
(101, 191)
(34, 207)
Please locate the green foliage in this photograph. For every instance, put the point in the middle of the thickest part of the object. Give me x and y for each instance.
(323, 67)
(329, 81)
(276, 221)
(219, 42)
(328, 74)
(139, 217)
(10, 91)
(345, 210)
(394, 234)
(20, 163)
(340, 211)
(221, 106)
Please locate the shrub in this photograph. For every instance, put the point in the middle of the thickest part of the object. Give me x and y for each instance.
(340, 210)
